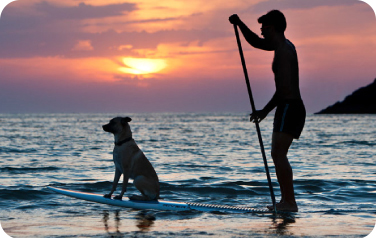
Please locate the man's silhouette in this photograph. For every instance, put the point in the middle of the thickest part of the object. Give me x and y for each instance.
(290, 114)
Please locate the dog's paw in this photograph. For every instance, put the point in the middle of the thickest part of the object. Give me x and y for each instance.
(118, 197)
(107, 195)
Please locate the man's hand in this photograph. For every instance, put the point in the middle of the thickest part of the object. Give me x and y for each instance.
(258, 116)
(234, 19)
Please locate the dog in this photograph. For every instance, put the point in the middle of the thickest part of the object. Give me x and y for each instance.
(131, 162)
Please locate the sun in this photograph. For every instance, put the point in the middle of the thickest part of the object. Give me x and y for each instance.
(142, 65)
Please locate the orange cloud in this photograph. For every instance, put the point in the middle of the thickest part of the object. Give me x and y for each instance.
(83, 45)
(56, 68)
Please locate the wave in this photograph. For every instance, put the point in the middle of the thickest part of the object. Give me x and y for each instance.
(211, 185)
(16, 150)
(356, 142)
(23, 170)
(209, 189)
(18, 193)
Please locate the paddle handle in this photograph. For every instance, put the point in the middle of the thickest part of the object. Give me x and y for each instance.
(256, 122)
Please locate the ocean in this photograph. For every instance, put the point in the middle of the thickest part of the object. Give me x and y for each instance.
(210, 158)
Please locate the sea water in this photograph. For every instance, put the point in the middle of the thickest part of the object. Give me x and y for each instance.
(210, 158)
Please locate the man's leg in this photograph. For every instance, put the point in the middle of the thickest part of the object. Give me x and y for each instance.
(281, 143)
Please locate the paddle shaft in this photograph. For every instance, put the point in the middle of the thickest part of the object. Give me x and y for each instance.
(256, 122)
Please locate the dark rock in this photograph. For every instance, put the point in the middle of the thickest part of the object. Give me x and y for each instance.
(361, 101)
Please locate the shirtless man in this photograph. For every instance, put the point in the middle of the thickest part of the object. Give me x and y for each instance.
(290, 114)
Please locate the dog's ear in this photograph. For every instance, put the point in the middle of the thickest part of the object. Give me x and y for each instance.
(125, 120)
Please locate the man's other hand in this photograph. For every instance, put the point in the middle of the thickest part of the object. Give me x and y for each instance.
(258, 116)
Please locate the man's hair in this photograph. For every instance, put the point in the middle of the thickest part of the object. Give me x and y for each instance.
(274, 18)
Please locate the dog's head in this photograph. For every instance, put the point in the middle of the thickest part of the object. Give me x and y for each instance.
(118, 125)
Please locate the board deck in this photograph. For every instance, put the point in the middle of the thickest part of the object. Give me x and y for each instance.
(157, 204)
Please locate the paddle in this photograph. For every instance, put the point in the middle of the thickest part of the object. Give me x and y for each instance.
(256, 122)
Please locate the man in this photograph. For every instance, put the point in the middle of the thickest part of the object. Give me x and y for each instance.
(290, 114)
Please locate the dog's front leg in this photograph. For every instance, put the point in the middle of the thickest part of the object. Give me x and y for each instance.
(115, 183)
(125, 184)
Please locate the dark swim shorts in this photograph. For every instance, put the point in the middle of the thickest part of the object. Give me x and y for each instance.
(290, 117)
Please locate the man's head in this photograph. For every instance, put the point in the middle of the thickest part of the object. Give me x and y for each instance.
(273, 20)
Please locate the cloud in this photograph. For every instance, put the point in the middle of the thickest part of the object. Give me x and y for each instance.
(83, 45)
(45, 16)
(45, 43)
(48, 30)
(49, 51)
(299, 4)
(83, 11)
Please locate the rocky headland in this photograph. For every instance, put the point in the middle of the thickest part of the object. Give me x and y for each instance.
(361, 101)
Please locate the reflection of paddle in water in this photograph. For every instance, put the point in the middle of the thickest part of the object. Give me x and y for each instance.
(281, 223)
(144, 222)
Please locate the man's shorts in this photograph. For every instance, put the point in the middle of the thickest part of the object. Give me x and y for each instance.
(290, 117)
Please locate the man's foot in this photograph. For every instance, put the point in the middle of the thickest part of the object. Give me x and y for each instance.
(285, 207)
(271, 207)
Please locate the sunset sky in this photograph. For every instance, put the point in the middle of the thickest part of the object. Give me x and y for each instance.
(123, 56)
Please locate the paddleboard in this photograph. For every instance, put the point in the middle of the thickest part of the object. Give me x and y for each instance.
(157, 204)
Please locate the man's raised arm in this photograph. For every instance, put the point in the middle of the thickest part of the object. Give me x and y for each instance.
(252, 38)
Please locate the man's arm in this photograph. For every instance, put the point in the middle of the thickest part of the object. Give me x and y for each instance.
(271, 104)
(261, 114)
(251, 37)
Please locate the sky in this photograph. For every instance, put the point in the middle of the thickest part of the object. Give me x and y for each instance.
(119, 56)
